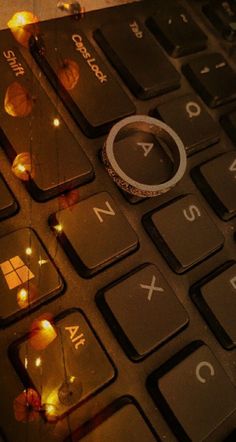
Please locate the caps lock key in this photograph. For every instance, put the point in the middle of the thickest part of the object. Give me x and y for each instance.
(80, 76)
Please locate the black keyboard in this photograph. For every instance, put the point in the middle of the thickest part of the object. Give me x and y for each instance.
(118, 312)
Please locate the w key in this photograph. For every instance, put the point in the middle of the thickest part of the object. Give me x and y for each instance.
(80, 76)
(138, 58)
(94, 233)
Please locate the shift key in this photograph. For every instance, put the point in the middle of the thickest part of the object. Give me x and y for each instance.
(80, 77)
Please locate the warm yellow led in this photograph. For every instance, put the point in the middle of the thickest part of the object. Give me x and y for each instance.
(28, 251)
(38, 362)
(56, 122)
(58, 228)
(21, 168)
(46, 324)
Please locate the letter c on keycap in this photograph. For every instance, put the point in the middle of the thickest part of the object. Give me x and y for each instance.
(199, 367)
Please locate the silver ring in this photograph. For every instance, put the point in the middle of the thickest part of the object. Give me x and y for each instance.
(159, 130)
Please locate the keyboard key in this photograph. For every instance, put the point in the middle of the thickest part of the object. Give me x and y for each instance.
(229, 123)
(57, 159)
(94, 233)
(67, 56)
(217, 180)
(184, 233)
(82, 367)
(8, 205)
(135, 305)
(121, 421)
(212, 78)
(217, 301)
(176, 30)
(189, 118)
(138, 58)
(187, 390)
(27, 275)
(222, 15)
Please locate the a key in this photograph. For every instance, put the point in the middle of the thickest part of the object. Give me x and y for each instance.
(80, 77)
(176, 30)
(135, 305)
(40, 135)
(229, 123)
(121, 421)
(217, 180)
(189, 118)
(216, 299)
(222, 15)
(82, 367)
(94, 233)
(187, 390)
(8, 204)
(138, 58)
(184, 233)
(27, 275)
(213, 78)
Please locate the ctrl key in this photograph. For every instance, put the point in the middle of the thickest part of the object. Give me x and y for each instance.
(193, 392)
(63, 362)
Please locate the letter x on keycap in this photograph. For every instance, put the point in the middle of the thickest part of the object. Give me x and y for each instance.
(151, 288)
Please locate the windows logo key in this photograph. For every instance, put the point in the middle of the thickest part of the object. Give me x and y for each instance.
(16, 272)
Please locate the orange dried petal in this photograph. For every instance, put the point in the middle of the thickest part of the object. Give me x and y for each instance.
(17, 101)
(68, 74)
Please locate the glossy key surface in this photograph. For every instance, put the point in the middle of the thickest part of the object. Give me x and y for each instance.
(176, 30)
(27, 275)
(82, 366)
(94, 233)
(194, 379)
(190, 119)
(67, 48)
(40, 134)
(142, 310)
(121, 421)
(217, 301)
(217, 180)
(8, 204)
(184, 232)
(138, 58)
(213, 78)
(222, 15)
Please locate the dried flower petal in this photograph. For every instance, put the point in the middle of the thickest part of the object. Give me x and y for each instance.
(43, 332)
(23, 25)
(18, 102)
(68, 74)
(23, 166)
(27, 406)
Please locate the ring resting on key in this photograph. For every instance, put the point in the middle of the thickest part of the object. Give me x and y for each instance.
(162, 133)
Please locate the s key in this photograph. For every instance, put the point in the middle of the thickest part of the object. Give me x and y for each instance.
(184, 233)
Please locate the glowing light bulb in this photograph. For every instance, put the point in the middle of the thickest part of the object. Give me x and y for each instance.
(28, 251)
(23, 166)
(23, 25)
(58, 228)
(38, 362)
(56, 122)
(23, 297)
